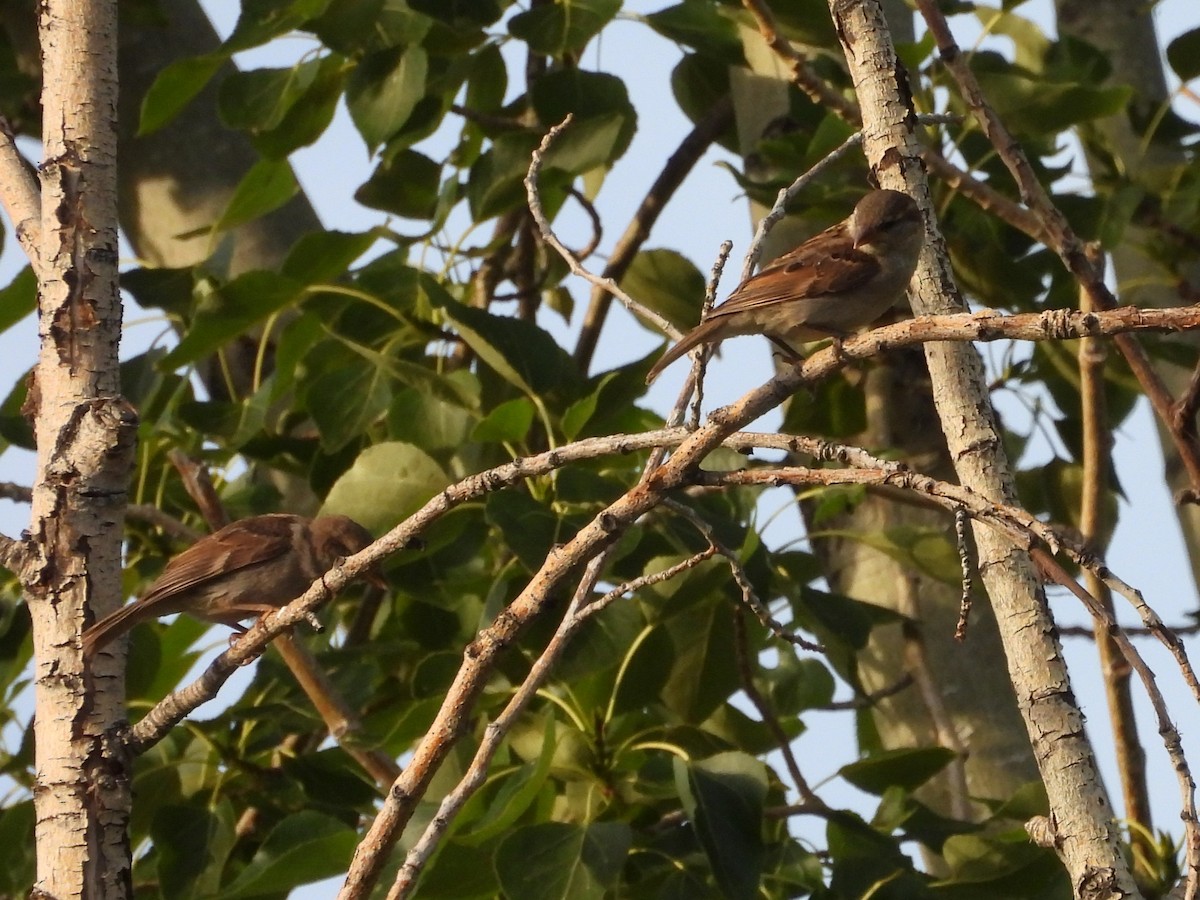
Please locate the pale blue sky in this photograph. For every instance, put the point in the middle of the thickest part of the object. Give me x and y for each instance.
(708, 209)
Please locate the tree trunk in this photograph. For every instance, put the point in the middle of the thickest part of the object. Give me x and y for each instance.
(85, 444)
(961, 697)
(1084, 833)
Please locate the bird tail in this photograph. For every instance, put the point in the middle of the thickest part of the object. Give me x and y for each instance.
(704, 333)
(112, 627)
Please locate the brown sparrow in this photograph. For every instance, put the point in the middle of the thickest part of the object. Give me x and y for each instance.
(833, 284)
(246, 569)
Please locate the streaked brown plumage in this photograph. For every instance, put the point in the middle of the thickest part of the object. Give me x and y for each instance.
(833, 284)
(246, 569)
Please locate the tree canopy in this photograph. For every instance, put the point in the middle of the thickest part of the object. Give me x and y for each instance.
(597, 653)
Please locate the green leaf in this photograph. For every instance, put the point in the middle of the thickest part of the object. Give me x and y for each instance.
(268, 185)
(14, 427)
(564, 27)
(494, 183)
(323, 256)
(193, 843)
(461, 15)
(1000, 867)
(387, 483)
(171, 290)
(231, 310)
(1183, 54)
(353, 27)
(263, 20)
(864, 861)
(16, 836)
(258, 99)
(586, 95)
(798, 684)
(174, 88)
(517, 794)
(580, 412)
(306, 120)
(18, 298)
(507, 423)
(428, 421)
(459, 872)
(405, 183)
(723, 797)
(561, 861)
(345, 396)
(668, 283)
(702, 26)
(383, 90)
(235, 423)
(520, 352)
(587, 144)
(1030, 44)
(704, 672)
(908, 769)
(698, 86)
(834, 408)
(530, 528)
(1033, 105)
(305, 847)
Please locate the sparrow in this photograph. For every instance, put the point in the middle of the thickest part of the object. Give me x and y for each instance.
(246, 569)
(833, 284)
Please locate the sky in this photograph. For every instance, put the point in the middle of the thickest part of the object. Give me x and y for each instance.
(1146, 550)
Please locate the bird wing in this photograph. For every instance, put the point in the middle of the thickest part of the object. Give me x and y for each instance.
(814, 269)
(237, 546)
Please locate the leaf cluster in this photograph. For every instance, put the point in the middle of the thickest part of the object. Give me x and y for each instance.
(373, 368)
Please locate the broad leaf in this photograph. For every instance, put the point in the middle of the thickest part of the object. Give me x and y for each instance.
(723, 797)
(387, 483)
(560, 861)
(174, 88)
(383, 90)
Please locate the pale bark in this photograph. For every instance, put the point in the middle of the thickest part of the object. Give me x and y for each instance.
(85, 440)
(961, 698)
(1085, 835)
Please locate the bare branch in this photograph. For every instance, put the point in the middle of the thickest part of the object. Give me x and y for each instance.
(20, 196)
(674, 171)
(548, 235)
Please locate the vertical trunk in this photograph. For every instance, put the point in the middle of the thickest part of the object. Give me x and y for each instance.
(85, 437)
(961, 698)
(1084, 833)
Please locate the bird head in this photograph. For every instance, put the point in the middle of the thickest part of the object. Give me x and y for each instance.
(336, 537)
(885, 218)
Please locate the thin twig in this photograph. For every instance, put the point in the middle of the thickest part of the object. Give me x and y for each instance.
(964, 562)
(1062, 239)
(1166, 728)
(745, 667)
(749, 595)
(579, 611)
(577, 269)
(674, 171)
(703, 354)
(1096, 459)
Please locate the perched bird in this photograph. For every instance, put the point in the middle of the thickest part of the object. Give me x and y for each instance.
(246, 569)
(833, 284)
